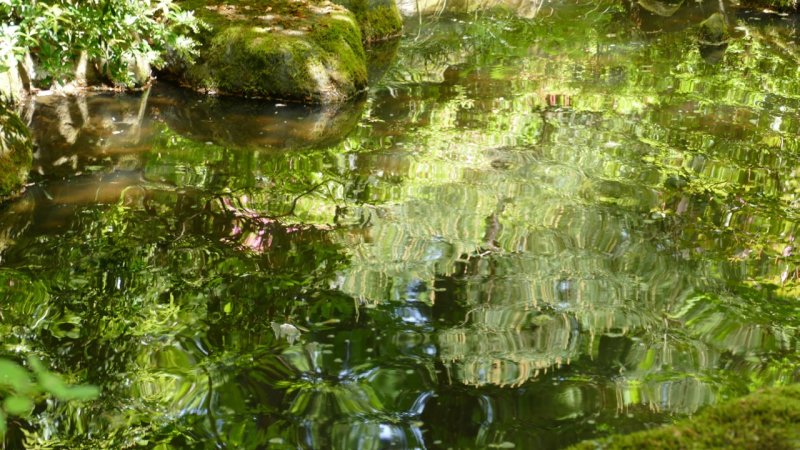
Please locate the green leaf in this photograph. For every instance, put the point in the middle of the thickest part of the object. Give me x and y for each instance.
(3, 426)
(49, 381)
(55, 385)
(83, 393)
(14, 376)
(18, 405)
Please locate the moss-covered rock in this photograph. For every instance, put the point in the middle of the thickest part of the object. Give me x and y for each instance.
(379, 19)
(767, 419)
(714, 30)
(16, 150)
(298, 50)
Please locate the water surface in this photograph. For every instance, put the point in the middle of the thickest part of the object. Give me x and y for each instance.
(529, 232)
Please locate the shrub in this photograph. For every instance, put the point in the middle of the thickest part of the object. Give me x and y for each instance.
(20, 390)
(111, 32)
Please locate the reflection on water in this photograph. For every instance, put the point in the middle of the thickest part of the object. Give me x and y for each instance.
(522, 8)
(527, 234)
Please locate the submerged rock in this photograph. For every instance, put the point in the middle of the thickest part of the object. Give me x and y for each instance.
(713, 54)
(16, 150)
(309, 51)
(663, 9)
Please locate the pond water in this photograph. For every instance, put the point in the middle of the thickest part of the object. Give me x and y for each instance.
(529, 232)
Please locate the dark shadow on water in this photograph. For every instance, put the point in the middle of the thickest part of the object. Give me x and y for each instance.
(77, 134)
(240, 122)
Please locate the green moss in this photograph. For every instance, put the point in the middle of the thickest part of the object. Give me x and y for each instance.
(382, 23)
(379, 19)
(292, 50)
(763, 420)
(16, 153)
(714, 30)
(345, 52)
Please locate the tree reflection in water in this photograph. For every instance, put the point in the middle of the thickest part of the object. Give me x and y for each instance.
(529, 233)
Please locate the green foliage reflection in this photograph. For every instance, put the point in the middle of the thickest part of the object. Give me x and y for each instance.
(20, 391)
(536, 232)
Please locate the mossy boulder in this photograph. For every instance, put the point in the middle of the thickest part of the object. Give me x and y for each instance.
(714, 30)
(768, 419)
(297, 50)
(379, 19)
(16, 153)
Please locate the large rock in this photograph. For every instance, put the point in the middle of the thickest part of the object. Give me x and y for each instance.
(714, 30)
(16, 150)
(309, 51)
(379, 19)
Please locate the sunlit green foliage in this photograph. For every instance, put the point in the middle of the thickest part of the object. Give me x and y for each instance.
(151, 297)
(20, 390)
(535, 233)
(113, 33)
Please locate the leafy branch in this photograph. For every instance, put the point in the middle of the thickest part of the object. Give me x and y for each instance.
(21, 389)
